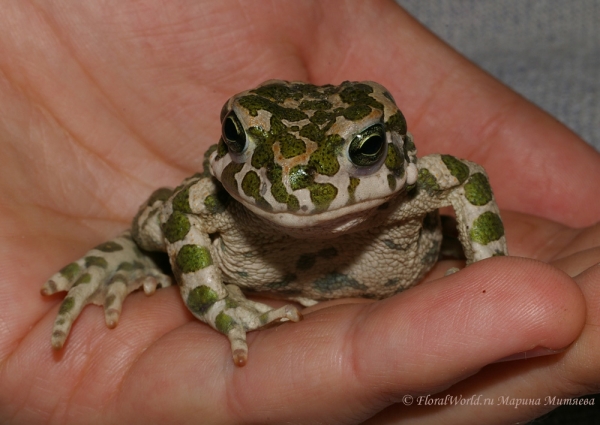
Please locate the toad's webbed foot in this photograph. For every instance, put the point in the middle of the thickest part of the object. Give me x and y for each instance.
(235, 315)
(104, 276)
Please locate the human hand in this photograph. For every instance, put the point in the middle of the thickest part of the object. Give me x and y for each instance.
(101, 104)
(528, 386)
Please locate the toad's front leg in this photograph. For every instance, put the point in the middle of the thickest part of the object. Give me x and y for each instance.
(224, 307)
(445, 180)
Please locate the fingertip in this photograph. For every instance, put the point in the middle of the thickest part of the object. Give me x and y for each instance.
(49, 288)
(58, 339)
(529, 297)
(240, 357)
(111, 318)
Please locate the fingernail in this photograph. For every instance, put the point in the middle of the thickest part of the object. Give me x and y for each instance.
(535, 352)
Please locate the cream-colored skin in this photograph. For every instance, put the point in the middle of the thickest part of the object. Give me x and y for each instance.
(313, 193)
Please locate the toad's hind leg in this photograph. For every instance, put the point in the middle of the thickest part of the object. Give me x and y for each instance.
(104, 276)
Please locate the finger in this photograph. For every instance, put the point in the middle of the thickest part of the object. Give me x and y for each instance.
(79, 296)
(151, 283)
(64, 279)
(579, 262)
(113, 302)
(536, 384)
(571, 250)
(583, 239)
(371, 354)
(239, 347)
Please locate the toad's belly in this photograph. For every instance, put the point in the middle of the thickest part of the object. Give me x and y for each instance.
(373, 264)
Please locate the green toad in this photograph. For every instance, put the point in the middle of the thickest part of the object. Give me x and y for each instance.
(312, 193)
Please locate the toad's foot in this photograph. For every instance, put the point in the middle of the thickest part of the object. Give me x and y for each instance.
(104, 276)
(235, 315)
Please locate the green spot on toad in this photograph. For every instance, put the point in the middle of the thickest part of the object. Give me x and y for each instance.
(224, 323)
(487, 228)
(478, 190)
(70, 271)
(66, 306)
(191, 258)
(201, 298)
(109, 247)
(95, 261)
(456, 167)
(177, 227)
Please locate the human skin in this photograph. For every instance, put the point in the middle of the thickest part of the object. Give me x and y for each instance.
(102, 102)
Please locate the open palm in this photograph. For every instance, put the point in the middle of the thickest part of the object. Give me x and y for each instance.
(102, 102)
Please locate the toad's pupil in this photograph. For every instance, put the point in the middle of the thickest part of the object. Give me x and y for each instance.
(234, 133)
(372, 145)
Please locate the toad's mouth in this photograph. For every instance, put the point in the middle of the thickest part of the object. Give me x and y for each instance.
(330, 222)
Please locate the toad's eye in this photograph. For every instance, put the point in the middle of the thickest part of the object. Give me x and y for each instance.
(233, 133)
(368, 146)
